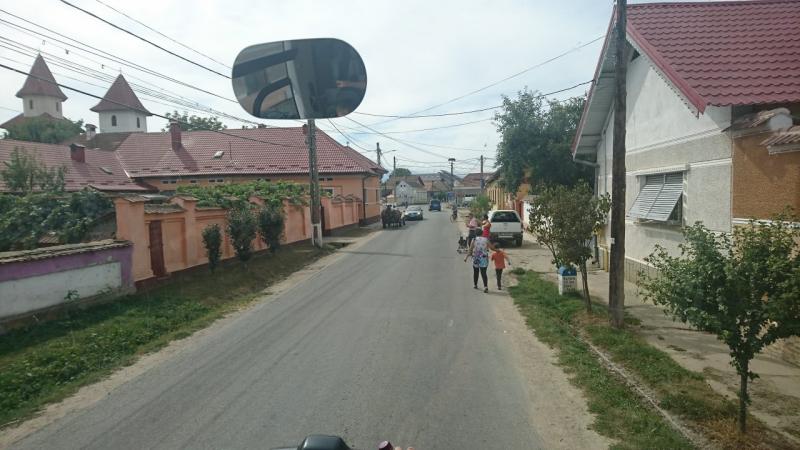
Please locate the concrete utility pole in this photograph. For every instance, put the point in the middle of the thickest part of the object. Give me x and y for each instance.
(394, 163)
(316, 226)
(616, 290)
(378, 151)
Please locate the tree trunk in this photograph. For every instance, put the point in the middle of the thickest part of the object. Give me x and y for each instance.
(743, 400)
(586, 296)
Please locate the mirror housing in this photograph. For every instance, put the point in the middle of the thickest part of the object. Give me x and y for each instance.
(299, 79)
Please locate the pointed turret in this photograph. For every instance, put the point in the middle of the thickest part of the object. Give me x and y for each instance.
(120, 109)
(40, 95)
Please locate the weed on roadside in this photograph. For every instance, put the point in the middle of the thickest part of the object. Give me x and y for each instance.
(621, 414)
(48, 361)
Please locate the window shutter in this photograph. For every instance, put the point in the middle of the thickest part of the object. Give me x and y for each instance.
(658, 197)
(647, 196)
(668, 197)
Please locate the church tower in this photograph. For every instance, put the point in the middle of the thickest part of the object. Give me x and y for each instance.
(120, 110)
(40, 95)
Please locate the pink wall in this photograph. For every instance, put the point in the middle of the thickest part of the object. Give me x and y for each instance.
(181, 230)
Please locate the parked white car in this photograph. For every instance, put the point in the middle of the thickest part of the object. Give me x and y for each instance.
(506, 226)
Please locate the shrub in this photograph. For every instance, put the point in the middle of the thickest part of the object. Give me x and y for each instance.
(270, 226)
(242, 229)
(480, 206)
(212, 240)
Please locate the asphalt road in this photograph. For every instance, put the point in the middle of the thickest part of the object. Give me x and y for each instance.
(390, 342)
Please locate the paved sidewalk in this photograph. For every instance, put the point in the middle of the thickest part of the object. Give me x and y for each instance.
(776, 394)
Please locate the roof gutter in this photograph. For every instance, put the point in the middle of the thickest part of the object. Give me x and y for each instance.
(585, 163)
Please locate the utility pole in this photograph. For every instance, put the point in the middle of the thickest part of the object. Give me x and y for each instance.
(378, 150)
(616, 290)
(316, 227)
(394, 163)
(452, 180)
(482, 174)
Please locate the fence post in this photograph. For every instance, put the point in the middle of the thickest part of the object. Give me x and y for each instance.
(131, 226)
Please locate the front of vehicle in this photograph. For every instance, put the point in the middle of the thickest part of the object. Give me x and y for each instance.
(413, 213)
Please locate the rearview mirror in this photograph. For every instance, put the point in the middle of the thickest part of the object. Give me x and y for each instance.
(299, 79)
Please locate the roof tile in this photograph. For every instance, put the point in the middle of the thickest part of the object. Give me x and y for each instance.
(43, 83)
(724, 53)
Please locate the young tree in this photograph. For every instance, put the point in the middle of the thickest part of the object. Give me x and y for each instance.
(535, 141)
(480, 206)
(577, 216)
(193, 123)
(270, 227)
(744, 288)
(24, 173)
(242, 230)
(44, 129)
(212, 240)
(541, 223)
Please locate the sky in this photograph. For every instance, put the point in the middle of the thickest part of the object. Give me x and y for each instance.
(417, 54)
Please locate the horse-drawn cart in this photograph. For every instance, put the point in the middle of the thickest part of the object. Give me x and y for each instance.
(392, 217)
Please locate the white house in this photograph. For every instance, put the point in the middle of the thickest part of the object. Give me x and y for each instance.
(694, 69)
(410, 189)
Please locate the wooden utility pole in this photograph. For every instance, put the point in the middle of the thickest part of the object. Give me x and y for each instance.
(616, 290)
(452, 180)
(316, 227)
(482, 174)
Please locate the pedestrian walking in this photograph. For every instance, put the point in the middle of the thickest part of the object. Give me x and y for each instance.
(479, 251)
(500, 258)
(472, 226)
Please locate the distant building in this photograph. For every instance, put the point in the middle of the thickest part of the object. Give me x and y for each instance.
(409, 189)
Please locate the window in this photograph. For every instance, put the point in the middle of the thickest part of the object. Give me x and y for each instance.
(504, 216)
(659, 199)
(169, 181)
(30, 104)
(216, 180)
(327, 190)
(138, 125)
(58, 106)
(113, 121)
(193, 181)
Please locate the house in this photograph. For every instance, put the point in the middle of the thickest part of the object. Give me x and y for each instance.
(170, 159)
(713, 90)
(471, 185)
(502, 199)
(408, 189)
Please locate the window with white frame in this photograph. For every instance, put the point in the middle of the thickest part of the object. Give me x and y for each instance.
(659, 199)
(329, 190)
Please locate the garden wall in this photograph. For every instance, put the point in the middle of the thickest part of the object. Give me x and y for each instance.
(178, 226)
(36, 280)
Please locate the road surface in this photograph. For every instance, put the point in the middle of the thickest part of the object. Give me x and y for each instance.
(389, 342)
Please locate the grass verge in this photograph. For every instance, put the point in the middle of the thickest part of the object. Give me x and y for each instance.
(46, 362)
(621, 414)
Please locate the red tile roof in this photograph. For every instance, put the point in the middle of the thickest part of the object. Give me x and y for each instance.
(120, 97)
(79, 175)
(44, 86)
(259, 151)
(474, 179)
(723, 53)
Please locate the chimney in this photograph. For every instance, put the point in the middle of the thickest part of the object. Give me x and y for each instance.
(77, 153)
(91, 131)
(175, 132)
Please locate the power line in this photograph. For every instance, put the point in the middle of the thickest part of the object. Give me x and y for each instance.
(174, 100)
(81, 46)
(395, 139)
(162, 34)
(144, 40)
(535, 66)
(349, 140)
(426, 129)
(458, 113)
(21, 72)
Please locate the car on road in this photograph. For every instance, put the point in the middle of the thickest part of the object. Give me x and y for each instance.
(435, 205)
(413, 212)
(506, 226)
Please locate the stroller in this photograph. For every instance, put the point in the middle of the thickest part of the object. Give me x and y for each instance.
(462, 244)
